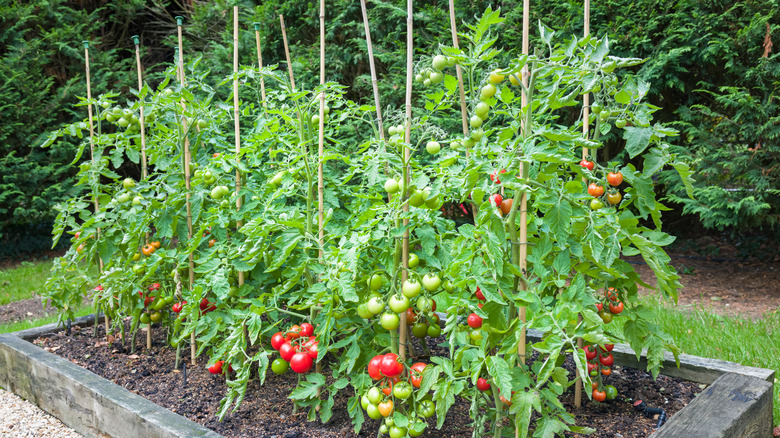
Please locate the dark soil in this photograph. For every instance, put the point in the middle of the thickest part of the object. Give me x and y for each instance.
(267, 412)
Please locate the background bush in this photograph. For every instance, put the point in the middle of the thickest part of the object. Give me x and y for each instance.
(711, 64)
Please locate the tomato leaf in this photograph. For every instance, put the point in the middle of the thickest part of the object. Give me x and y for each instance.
(637, 139)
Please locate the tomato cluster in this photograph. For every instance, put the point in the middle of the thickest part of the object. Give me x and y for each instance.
(393, 393)
(613, 305)
(597, 191)
(298, 348)
(600, 361)
(421, 317)
(155, 301)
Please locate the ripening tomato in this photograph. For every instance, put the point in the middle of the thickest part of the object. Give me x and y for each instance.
(148, 250)
(595, 190)
(614, 197)
(415, 374)
(616, 308)
(587, 164)
(606, 371)
(386, 408)
(614, 178)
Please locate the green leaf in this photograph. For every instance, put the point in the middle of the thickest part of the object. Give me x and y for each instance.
(637, 139)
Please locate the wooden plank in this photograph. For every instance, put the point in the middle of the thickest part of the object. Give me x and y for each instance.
(692, 368)
(734, 406)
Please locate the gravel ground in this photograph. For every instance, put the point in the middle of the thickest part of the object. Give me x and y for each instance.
(22, 419)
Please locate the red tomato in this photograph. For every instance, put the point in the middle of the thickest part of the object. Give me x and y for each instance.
(608, 347)
(590, 352)
(474, 321)
(494, 176)
(480, 296)
(293, 333)
(482, 384)
(606, 371)
(277, 340)
(599, 306)
(99, 288)
(607, 360)
(616, 308)
(313, 351)
(599, 396)
(415, 374)
(307, 329)
(592, 367)
(373, 367)
(496, 199)
(301, 362)
(411, 316)
(390, 366)
(286, 351)
(217, 367)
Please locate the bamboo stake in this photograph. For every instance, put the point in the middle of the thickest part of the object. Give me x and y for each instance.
(320, 155)
(585, 123)
(92, 157)
(260, 61)
(524, 198)
(407, 155)
(141, 117)
(287, 52)
(459, 73)
(373, 70)
(184, 126)
(137, 43)
(237, 124)
(149, 336)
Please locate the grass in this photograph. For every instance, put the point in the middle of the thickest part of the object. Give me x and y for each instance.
(24, 325)
(21, 281)
(750, 342)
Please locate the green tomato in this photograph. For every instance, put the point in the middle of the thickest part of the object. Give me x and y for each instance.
(426, 408)
(145, 318)
(455, 145)
(397, 432)
(413, 260)
(433, 203)
(383, 429)
(487, 92)
(431, 282)
(375, 305)
(402, 390)
(611, 391)
(436, 77)
(123, 122)
(433, 147)
(391, 186)
(417, 428)
(363, 401)
(280, 366)
(469, 143)
(389, 321)
(373, 412)
(374, 395)
(449, 287)
(128, 183)
(315, 120)
(596, 204)
(398, 303)
(137, 200)
(375, 282)
(434, 331)
(216, 193)
(595, 108)
(277, 179)
(477, 134)
(620, 123)
(417, 199)
(420, 330)
(123, 198)
(411, 288)
(475, 122)
(439, 62)
(364, 312)
(476, 336)
(427, 83)
(482, 110)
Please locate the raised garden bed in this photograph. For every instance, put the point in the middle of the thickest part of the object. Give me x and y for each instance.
(738, 402)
